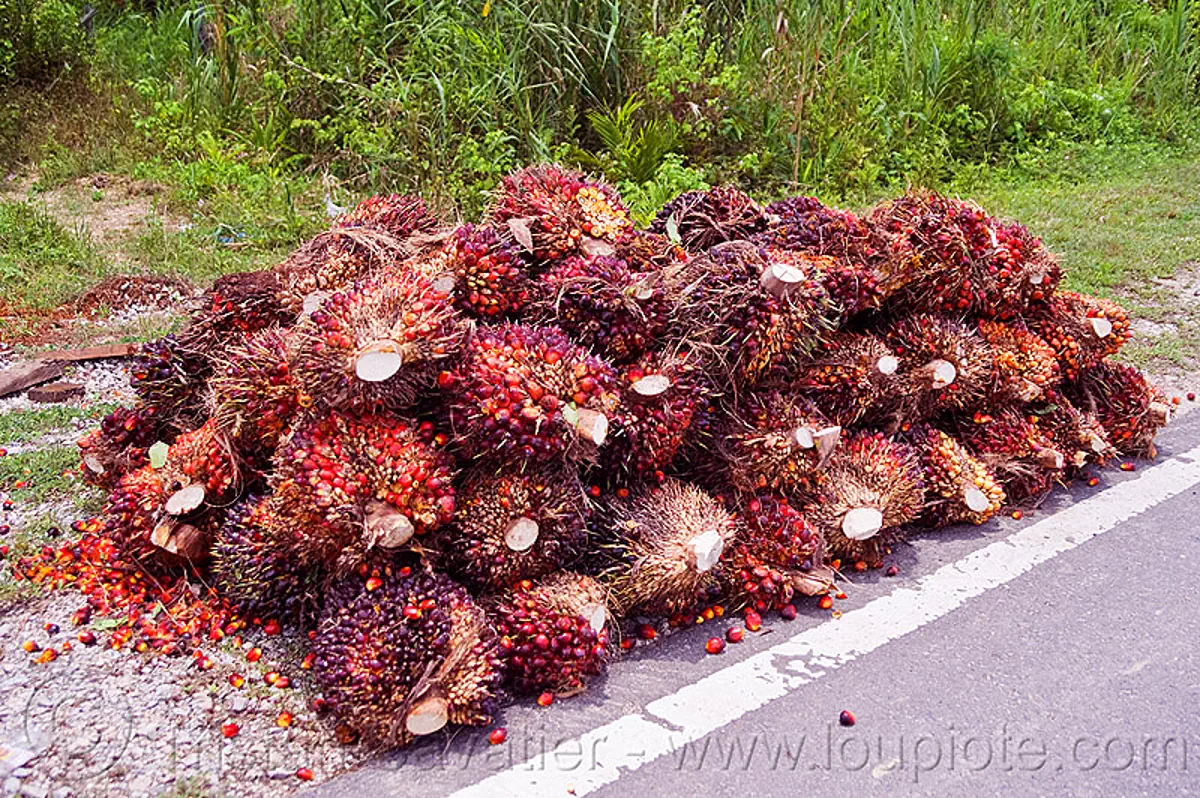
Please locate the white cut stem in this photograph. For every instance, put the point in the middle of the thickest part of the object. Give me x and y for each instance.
(977, 500)
(521, 534)
(780, 278)
(93, 464)
(428, 715)
(1101, 327)
(592, 426)
(1160, 413)
(313, 302)
(652, 385)
(862, 523)
(378, 361)
(1051, 458)
(827, 441)
(389, 527)
(941, 372)
(803, 437)
(185, 500)
(596, 615)
(705, 549)
(887, 365)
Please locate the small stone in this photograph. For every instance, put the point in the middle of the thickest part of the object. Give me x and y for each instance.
(279, 775)
(34, 791)
(238, 703)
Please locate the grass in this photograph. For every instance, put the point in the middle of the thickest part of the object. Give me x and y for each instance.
(23, 426)
(45, 475)
(42, 262)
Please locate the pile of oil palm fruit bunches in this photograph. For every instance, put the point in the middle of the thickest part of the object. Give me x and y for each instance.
(460, 457)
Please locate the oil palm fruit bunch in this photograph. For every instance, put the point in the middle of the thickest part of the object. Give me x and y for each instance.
(1129, 408)
(254, 394)
(775, 440)
(132, 512)
(490, 279)
(958, 486)
(1021, 455)
(1082, 330)
(119, 445)
(805, 224)
(168, 374)
(529, 393)
(200, 468)
(255, 573)
(333, 261)
(852, 287)
(238, 305)
(667, 539)
(553, 212)
(849, 376)
(776, 554)
(554, 634)
(945, 365)
(660, 397)
(1026, 368)
(396, 214)
(702, 219)
(649, 252)
(1077, 433)
(873, 487)
(378, 344)
(402, 651)
(756, 317)
(515, 525)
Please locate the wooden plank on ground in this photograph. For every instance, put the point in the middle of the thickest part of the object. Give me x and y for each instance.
(55, 392)
(20, 376)
(89, 353)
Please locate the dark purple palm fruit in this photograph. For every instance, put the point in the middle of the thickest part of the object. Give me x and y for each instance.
(1077, 433)
(603, 305)
(402, 651)
(775, 440)
(776, 555)
(944, 366)
(256, 573)
(959, 488)
(553, 212)
(529, 393)
(399, 215)
(660, 397)
(1129, 408)
(702, 219)
(379, 344)
(1023, 457)
(169, 375)
(255, 397)
(119, 445)
(805, 224)
(554, 634)
(490, 279)
(849, 376)
(1082, 330)
(872, 488)
(515, 525)
(667, 540)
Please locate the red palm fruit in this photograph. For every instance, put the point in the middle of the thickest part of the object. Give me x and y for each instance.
(1026, 368)
(649, 252)
(334, 260)
(852, 287)
(396, 214)
(1079, 435)
(775, 440)
(873, 487)
(489, 278)
(407, 658)
(603, 305)
(254, 394)
(944, 366)
(849, 376)
(1023, 457)
(238, 305)
(756, 317)
(554, 634)
(958, 486)
(378, 344)
(118, 446)
(666, 540)
(660, 397)
(776, 554)
(702, 219)
(168, 374)
(201, 468)
(515, 525)
(530, 393)
(133, 510)
(1129, 408)
(1082, 330)
(804, 224)
(552, 211)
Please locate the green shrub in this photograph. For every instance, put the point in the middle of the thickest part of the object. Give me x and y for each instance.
(38, 39)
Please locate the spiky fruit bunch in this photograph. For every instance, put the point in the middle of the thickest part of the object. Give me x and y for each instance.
(254, 572)
(776, 548)
(530, 393)
(333, 261)
(649, 252)
(553, 634)
(489, 277)
(1129, 408)
(604, 305)
(255, 397)
(660, 397)
(755, 316)
(958, 487)
(1079, 435)
(852, 287)
(512, 526)
(168, 374)
(873, 487)
(401, 651)
(201, 468)
(133, 509)
(241, 304)
(805, 224)
(396, 214)
(941, 255)
(702, 219)
(944, 365)
(1082, 330)
(118, 445)
(775, 440)
(668, 538)
(1026, 368)
(378, 344)
(849, 376)
(1012, 445)
(553, 211)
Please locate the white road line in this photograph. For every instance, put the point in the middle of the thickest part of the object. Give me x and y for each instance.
(721, 698)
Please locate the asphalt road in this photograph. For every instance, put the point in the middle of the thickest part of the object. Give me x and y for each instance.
(1079, 676)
